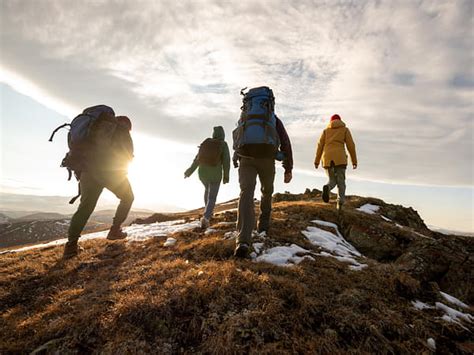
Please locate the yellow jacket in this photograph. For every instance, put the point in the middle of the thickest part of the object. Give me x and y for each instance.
(331, 146)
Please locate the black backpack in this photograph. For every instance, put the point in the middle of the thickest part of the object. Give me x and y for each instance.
(210, 152)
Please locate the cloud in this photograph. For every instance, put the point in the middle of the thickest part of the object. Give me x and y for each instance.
(399, 73)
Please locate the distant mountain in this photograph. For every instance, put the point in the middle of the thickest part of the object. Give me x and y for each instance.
(46, 226)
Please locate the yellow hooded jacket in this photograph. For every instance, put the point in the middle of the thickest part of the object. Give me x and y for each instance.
(331, 146)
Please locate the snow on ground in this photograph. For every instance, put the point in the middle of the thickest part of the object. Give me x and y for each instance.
(284, 255)
(431, 344)
(452, 315)
(210, 231)
(386, 219)
(334, 244)
(136, 232)
(454, 300)
(225, 224)
(170, 242)
(421, 305)
(368, 208)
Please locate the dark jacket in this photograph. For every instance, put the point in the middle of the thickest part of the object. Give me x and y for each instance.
(267, 151)
(213, 173)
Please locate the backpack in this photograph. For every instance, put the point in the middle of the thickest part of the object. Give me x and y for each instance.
(210, 152)
(93, 129)
(257, 123)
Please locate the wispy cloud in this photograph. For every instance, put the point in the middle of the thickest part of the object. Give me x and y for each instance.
(399, 73)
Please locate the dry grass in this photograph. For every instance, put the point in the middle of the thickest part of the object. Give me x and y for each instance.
(195, 298)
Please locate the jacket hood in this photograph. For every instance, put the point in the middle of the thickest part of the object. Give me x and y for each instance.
(336, 124)
(218, 133)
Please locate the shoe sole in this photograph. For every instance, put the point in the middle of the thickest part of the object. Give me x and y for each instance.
(121, 238)
(325, 193)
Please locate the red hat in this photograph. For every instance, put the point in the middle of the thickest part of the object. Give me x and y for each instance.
(335, 117)
(125, 121)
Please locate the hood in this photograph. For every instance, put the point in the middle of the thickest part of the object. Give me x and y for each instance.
(336, 124)
(218, 133)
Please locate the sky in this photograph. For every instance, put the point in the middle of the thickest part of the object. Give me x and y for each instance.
(399, 73)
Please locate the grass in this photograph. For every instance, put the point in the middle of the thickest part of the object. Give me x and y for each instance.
(195, 298)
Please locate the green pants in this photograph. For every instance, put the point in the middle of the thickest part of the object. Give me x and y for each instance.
(337, 176)
(92, 184)
(248, 171)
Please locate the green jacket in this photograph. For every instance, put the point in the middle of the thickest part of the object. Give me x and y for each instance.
(213, 173)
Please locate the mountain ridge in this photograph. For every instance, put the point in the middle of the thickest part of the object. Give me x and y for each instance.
(180, 291)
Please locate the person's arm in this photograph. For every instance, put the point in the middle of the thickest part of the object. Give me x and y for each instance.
(320, 149)
(225, 163)
(351, 148)
(285, 146)
(193, 167)
(235, 159)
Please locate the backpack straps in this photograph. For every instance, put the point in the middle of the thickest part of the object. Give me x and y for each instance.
(78, 194)
(57, 129)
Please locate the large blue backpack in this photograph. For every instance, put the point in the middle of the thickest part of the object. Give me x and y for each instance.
(86, 130)
(257, 123)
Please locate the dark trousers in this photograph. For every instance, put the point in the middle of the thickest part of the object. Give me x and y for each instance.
(248, 171)
(92, 185)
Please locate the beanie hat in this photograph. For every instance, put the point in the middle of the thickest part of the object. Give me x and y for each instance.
(125, 121)
(335, 117)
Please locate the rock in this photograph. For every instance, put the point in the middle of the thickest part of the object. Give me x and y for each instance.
(51, 347)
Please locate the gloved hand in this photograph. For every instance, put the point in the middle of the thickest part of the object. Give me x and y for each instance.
(288, 177)
(354, 166)
(316, 165)
(236, 164)
(225, 180)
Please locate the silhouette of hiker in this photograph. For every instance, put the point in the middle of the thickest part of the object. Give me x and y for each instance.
(213, 160)
(331, 148)
(259, 139)
(104, 166)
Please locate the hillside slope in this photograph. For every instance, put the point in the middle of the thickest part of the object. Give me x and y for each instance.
(377, 281)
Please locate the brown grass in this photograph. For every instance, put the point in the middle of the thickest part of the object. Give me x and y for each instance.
(195, 298)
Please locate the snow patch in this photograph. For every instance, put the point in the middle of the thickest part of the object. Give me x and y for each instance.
(431, 344)
(421, 305)
(170, 242)
(136, 232)
(284, 255)
(224, 224)
(335, 245)
(386, 219)
(453, 316)
(257, 247)
(210, 231)
(369, 208)
(454, 300)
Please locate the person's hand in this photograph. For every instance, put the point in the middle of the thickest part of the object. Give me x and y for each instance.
(288, 177)
(186, 175)
(225, 180)
(236, 164)
(354, 166)
(316, 165)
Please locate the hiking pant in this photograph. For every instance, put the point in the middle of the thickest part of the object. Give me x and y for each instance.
(337, 176)
(92, 185)
(210, 196)
(248, 171)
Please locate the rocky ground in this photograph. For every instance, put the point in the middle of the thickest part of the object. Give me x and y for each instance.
(375, 280)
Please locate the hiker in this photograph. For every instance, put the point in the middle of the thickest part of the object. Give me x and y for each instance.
(213, 160)
(331, 148)
(99, 158)
(259, 139)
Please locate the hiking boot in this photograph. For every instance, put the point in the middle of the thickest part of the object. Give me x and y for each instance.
(71, 249)
(204, 223)
(325, 194)
(116, 233)
(241, 251)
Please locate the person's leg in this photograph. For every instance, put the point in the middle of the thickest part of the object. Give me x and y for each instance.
(341, 184)
(206, 192)
(119, 185)
(213, 188)
(246, 209)
(266, 174)
(330, 184)
(90, 192)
